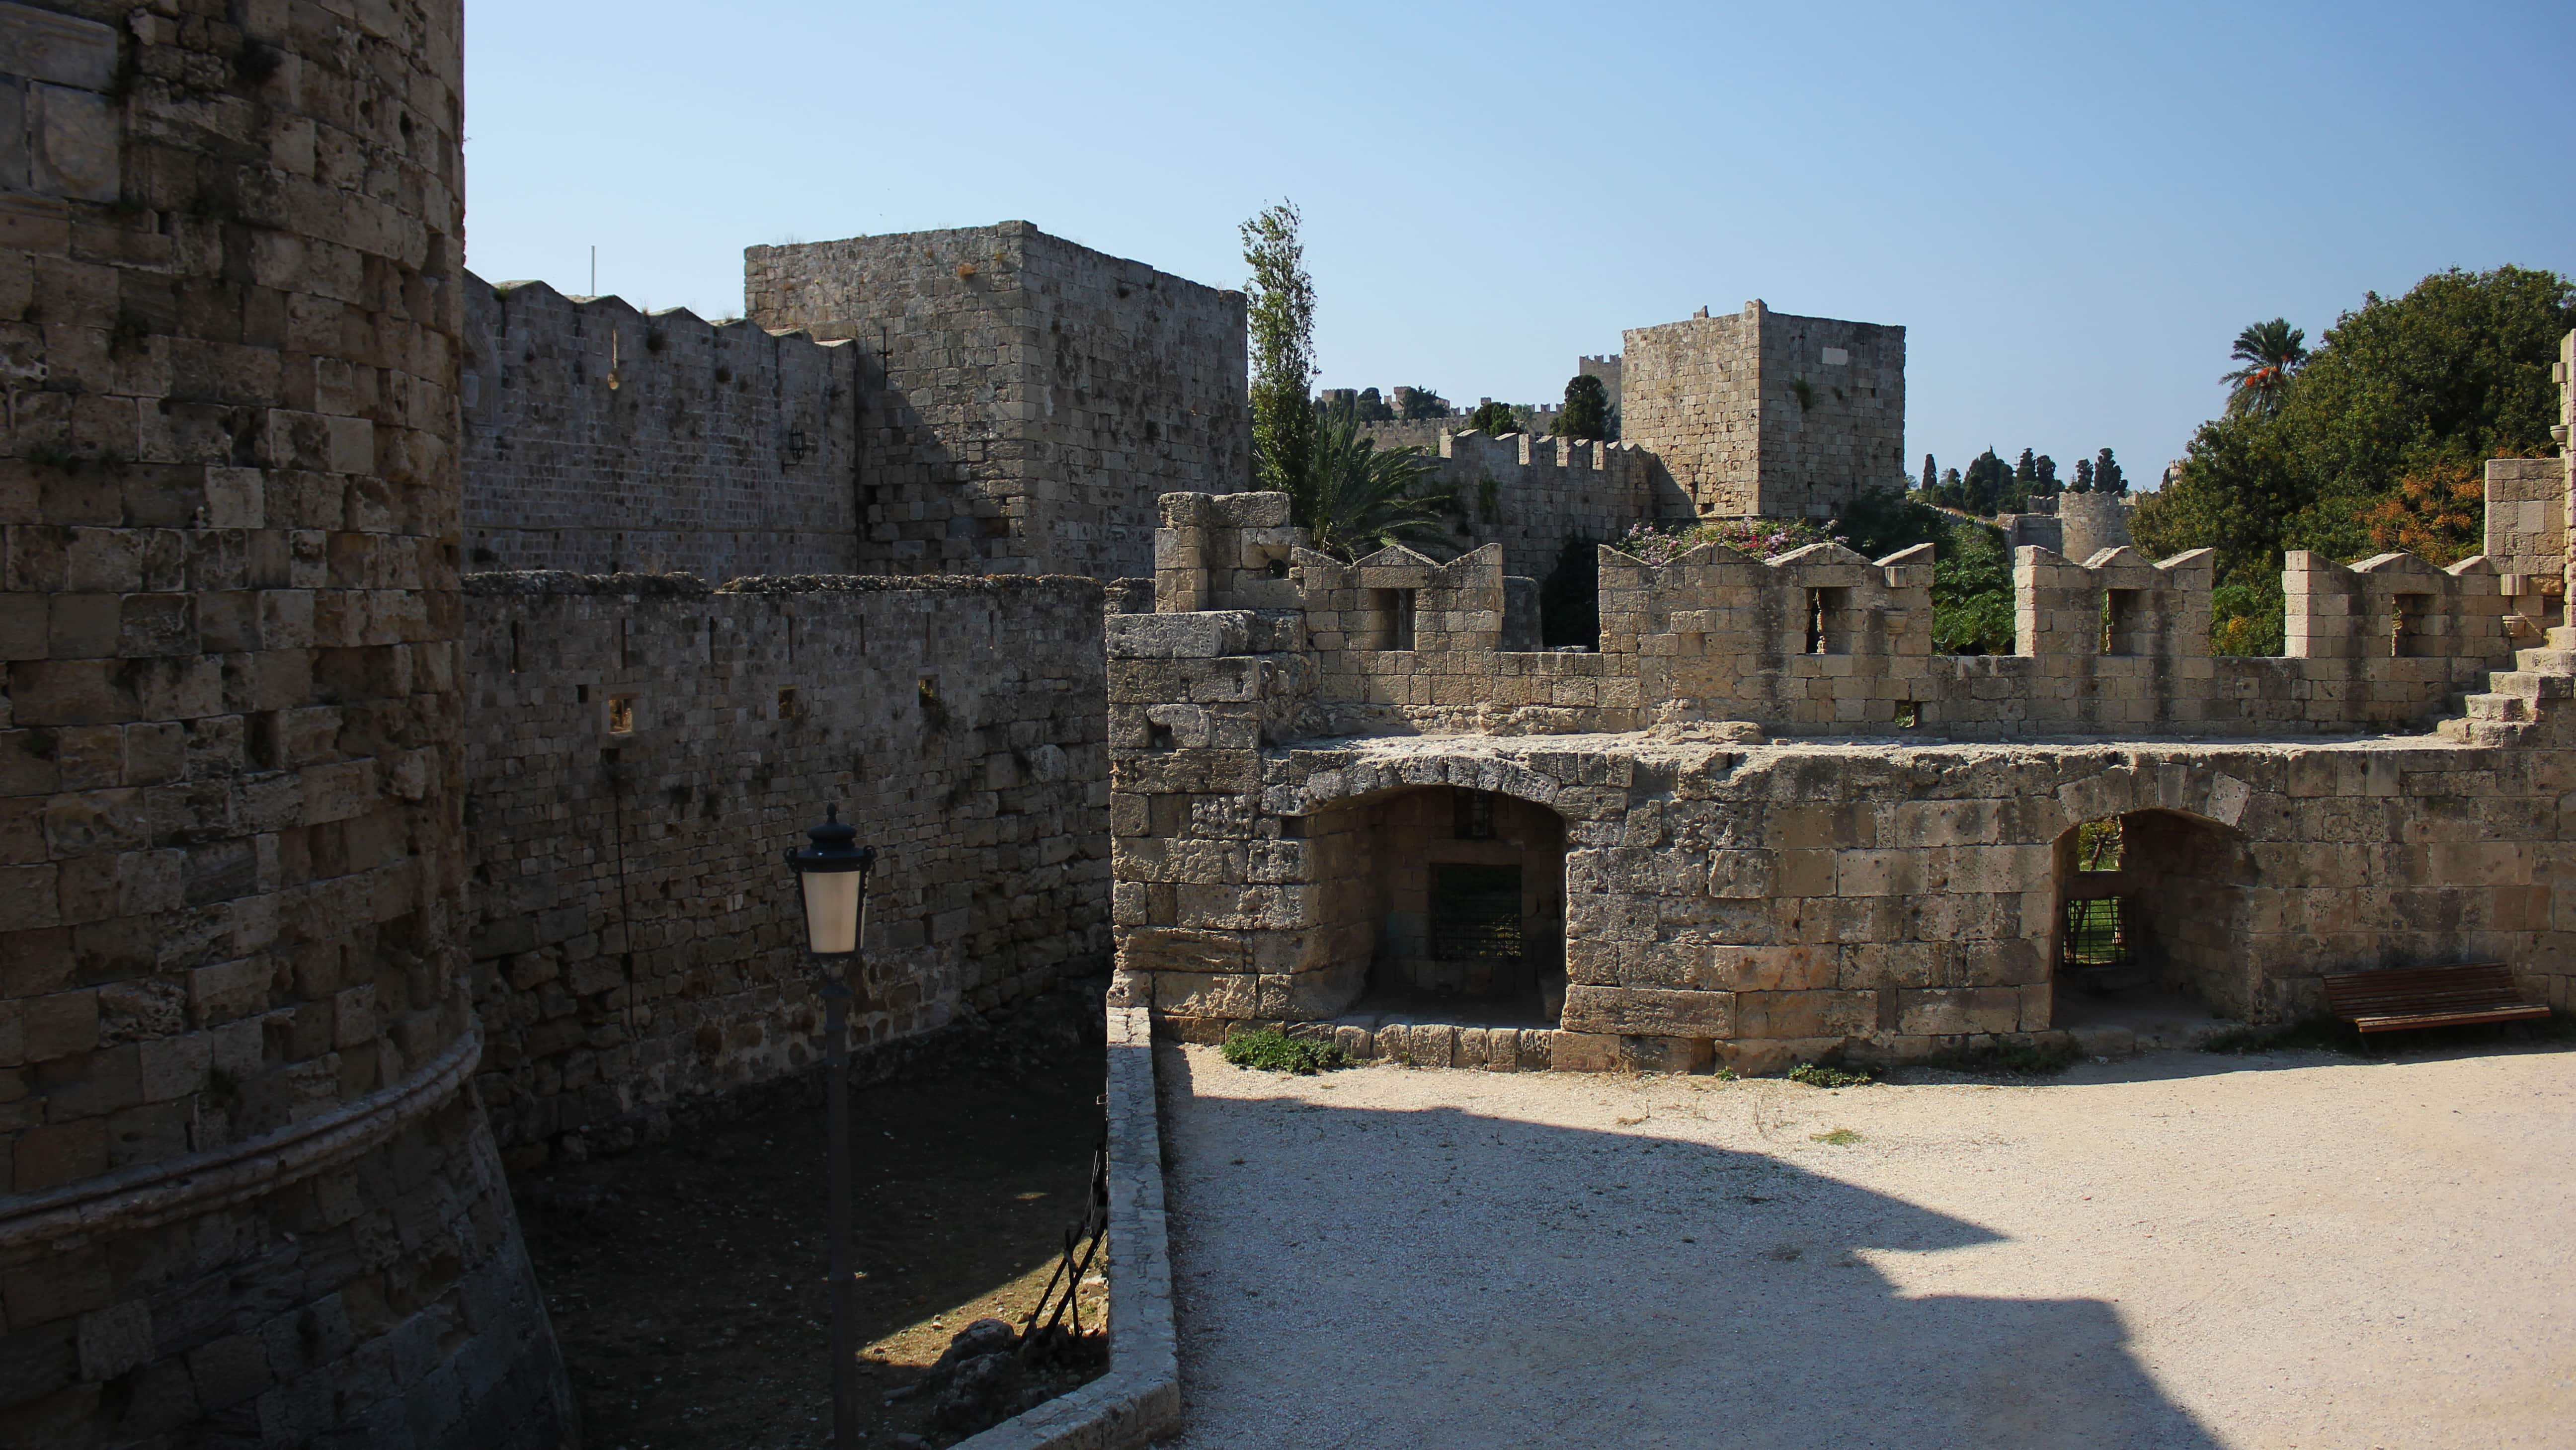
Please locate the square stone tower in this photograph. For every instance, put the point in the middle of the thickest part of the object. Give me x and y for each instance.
(1768, 413)
(1023, 401)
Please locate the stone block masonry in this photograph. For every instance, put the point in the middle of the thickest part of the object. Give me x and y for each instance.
(1027, 399)
(1768, 413)
(602, 440)
(246, 1196)
(1316, 794)
(641, 750)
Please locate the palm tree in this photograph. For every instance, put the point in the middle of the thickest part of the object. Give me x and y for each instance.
(1357, 499)
(2272, 352)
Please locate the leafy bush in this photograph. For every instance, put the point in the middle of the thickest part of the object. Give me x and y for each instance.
(1662, 543)
(1817, 1075)
(1274, 1051)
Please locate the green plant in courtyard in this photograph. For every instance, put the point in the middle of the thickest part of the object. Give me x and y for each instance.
(1271, 1050)
(1839, 1137)
(1817, 1075)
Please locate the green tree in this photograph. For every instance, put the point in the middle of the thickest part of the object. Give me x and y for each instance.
(1931, 477)
(2455, 372)
(1371, 408)
(1953, 492)
(2107, 477)
(1587, 409)
(2025, 477)
(2043, 471)
(1280, 312)
(1420, 403)
(2083, 477)
(1987, 487)
(1357, 498)
(1494, 419)
(2271, 353)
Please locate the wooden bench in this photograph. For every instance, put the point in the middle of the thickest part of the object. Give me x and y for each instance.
(2428, 997)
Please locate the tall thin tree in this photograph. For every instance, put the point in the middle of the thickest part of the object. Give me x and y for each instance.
(1931, 476)
(1281, 319)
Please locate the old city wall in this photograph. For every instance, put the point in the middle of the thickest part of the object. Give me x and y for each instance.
(2526, 534)
(1027, 399)
(1767, 413)
(1770, 905)
(1823, 641)
(603, 440)
(1896, 898)
(249, 1197)
(1833, 412)
(641, 750)
(1533, 496)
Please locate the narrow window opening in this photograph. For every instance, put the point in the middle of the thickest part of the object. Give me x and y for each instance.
(581, 694)
(1472, 815)
(515, 644)
(2409, 622)
(1909, 714)
(1292, 828)
(1158, 736)
(1827, 631)
(621, 714)
(2120, 611)
(787, 702)
(625, 645)
(1391, 612)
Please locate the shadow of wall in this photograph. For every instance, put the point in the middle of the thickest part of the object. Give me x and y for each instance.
(1608, 1289)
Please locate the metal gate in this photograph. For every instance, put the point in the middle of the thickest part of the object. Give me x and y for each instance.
(1475, 912)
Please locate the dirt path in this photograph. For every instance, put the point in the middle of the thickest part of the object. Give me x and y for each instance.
(2184, 1251)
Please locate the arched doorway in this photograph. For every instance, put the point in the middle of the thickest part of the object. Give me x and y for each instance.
(2154, 899)
(1463, 895)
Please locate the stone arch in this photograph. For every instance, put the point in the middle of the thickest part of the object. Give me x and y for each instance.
(1436, 895)
(2182, 884)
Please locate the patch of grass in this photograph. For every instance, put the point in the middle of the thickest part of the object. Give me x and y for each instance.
(1274, 1051)
(2019, 1059)
(1724, 1074)
(1839, 1137)
(2310, 1034)
(1817, 1075)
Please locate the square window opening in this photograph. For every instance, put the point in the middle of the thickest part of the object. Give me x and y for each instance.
(1475, 912)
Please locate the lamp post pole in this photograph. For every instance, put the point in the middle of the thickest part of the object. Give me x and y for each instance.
(833, 875)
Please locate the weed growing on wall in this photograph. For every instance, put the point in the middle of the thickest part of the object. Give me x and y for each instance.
(1817, 1075)
(1662, 543)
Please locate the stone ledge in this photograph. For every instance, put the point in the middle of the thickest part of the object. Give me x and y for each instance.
(1140, 1398)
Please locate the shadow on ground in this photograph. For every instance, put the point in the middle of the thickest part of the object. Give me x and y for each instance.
(1361, 1277)
(685, 1279)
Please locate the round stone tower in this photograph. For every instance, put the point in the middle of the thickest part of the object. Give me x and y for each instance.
(2091, 523)
(250, 1198)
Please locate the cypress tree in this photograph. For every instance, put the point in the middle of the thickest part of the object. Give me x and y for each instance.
(2107, 477)
(2083, 477)
(1931, 476)
(1281, 314)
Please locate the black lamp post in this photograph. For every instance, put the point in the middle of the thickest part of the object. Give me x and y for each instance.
(833, 876)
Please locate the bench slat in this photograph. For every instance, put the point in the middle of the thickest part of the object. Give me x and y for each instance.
(2476, 992)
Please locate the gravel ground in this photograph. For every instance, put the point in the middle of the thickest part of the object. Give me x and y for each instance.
(2179, 1250)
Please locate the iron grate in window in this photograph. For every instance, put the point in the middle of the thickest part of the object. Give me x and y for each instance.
(2097, 935)
(1475, 913)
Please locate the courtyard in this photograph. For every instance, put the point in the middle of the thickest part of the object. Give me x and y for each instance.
(2176, 1250)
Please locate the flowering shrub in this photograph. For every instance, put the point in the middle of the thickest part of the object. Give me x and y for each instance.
(1662, 543)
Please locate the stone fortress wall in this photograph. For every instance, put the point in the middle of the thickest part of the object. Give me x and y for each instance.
(1026, 399)
(1767, 413)
(249, 1196)
(641, 749)
(602, 440)
(1889, 896)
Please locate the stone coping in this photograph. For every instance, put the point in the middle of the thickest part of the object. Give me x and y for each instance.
(150, 1194)
(1140, 1398)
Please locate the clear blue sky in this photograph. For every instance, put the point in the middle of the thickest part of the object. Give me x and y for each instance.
(2072, 209)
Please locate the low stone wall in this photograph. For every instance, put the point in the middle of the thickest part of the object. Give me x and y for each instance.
(642, 750)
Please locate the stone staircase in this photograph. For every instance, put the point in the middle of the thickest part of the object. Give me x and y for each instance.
(2512, 706)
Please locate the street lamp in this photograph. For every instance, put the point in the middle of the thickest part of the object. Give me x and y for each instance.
(832, 875)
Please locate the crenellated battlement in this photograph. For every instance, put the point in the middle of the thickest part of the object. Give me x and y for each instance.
(1822, 641)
